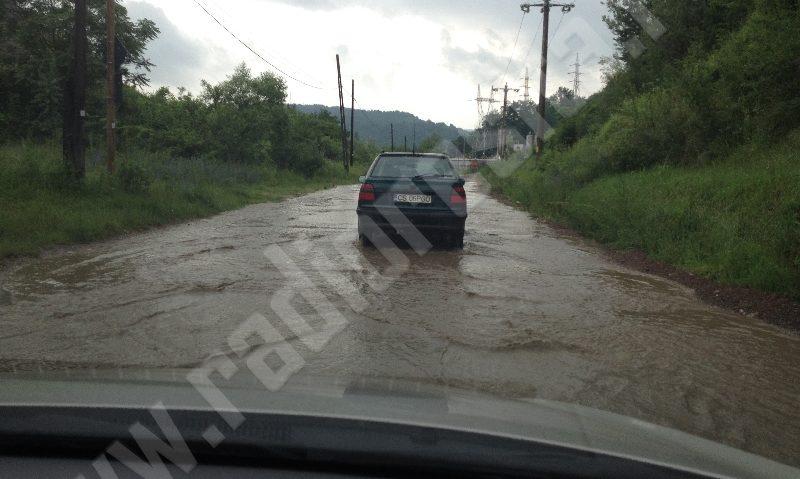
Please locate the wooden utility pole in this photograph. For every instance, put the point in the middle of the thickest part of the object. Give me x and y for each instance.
(391, 134)
(352, 123)
(341, 113)
(501, 133)
(74, 150)
(545, 5)
(111, 107)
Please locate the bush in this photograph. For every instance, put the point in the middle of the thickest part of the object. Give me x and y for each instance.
(305, 159)
(654, 128)
(134, 177)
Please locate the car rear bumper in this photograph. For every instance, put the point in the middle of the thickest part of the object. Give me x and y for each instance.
(396, 221)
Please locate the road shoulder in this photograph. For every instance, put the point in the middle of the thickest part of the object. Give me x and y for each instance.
(760, 305)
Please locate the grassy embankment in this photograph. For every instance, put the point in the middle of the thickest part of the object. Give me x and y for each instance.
(736, 220)
(690, 152)
(40, 208)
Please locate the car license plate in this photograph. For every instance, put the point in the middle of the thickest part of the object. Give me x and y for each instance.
(403, 198)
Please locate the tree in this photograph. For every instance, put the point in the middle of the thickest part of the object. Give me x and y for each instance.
(565, 102)
(35, 53)
(668, 30)
(247, 117)
(161, 121)
(431, 144)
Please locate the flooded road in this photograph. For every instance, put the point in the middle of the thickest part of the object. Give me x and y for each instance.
(520, 312)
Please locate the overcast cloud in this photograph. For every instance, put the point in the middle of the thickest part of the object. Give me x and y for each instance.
(423, 57)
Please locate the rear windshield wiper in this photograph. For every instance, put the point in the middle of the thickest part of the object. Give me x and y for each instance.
(431, 175)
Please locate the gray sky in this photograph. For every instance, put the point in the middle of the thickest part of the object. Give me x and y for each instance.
(424, 57)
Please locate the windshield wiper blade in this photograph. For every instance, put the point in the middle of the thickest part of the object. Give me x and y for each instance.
(434, 175)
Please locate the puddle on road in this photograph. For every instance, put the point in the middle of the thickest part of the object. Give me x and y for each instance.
(52, 275)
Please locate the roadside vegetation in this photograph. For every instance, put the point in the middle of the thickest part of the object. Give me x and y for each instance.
(41, 208)
(690, 153)
(180, 155)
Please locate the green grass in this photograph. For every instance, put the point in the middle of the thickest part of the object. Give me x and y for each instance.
(736, 220)
(40, 208)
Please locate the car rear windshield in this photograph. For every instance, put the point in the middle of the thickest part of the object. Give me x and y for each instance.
(411, 166)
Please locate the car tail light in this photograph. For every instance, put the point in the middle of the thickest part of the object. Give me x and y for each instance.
(367, 193)
(458, 196)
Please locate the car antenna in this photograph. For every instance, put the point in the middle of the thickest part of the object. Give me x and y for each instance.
(414, 141)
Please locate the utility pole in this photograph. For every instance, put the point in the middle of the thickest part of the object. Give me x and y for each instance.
(111, 107)
(546, 5)
(391, 134)
(73, 147)
(405, 143)
(342, 124)
(352, 124)
(576, 81)
(501, 134)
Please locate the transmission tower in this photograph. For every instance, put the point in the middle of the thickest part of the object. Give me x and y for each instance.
(526, 88)
(576, 80)
(481, 100)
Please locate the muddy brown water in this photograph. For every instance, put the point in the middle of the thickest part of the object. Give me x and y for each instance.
(519, 312)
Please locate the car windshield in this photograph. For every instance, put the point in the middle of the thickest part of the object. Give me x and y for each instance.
(598, 212)
(410, 166)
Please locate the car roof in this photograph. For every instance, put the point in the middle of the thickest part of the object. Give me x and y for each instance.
(390, 154)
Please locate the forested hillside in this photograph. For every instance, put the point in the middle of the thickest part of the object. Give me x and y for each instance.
(690, 152)
(375, 125)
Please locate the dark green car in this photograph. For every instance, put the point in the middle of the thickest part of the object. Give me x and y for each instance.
(417, 196)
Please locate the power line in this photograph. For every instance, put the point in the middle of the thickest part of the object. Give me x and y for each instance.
(253, 51)
(361, 110)
(530, 47)
(563, 14)
(514, 48)
(229, 19)
(345, 90)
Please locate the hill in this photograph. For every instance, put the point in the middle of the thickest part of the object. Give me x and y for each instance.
(375, 125)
